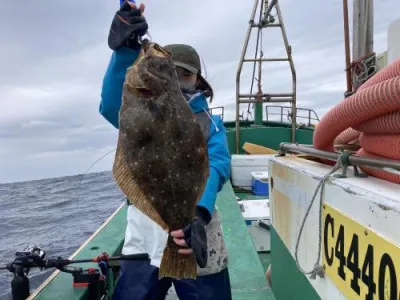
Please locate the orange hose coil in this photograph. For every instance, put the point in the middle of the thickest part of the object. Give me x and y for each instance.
(347, 136)
(371, 115)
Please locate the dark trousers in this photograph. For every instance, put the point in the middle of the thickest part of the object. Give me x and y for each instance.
(138, 280)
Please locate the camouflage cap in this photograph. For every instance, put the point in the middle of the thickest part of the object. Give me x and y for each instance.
(186, 57)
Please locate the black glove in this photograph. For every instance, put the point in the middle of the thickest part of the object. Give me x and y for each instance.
(128, 24)
(196, 237)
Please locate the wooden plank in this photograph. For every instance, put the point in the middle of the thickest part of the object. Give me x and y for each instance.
(257, 149)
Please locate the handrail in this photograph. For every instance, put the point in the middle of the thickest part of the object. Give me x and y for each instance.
(386, 164)
(312, 115)
(218, 114)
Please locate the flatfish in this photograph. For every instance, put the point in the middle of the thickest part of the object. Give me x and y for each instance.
(161, 163)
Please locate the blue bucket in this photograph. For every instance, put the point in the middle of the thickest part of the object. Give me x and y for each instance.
(260, 186)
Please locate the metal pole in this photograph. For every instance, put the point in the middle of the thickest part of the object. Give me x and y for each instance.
(347, 46)
(292, 69)
(246, 43)
(369, 26)
(275, 95)
(263, 100)
(356, 38)
(362, 33)
(258, 106)
(270, 7)
(353, 159)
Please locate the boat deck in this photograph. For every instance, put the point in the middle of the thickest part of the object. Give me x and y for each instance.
(246, 271)
(265, 257)
(108, 238)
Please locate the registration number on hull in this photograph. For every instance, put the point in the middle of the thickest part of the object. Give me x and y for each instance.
(361, 263)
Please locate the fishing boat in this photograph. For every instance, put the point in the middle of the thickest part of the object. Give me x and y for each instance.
(338, 243)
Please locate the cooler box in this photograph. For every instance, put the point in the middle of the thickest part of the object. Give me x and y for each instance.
(242, 165)
(257, 216)
(260, 183)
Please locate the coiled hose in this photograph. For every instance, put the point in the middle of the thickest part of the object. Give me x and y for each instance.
(371, 117)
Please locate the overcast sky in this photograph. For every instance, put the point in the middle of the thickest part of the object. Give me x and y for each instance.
(54, 55)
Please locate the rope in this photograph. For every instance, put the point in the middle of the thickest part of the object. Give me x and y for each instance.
(317, 269)
(364, 68)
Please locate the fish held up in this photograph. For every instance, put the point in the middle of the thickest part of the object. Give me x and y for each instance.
(161, 163)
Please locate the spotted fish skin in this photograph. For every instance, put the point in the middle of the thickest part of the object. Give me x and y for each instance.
(161, 162)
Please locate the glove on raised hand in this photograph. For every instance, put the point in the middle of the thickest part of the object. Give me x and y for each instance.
(126, 28)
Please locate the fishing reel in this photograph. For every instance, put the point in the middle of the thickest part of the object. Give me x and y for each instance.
(93, 279)
(32, 256)
(25, 260)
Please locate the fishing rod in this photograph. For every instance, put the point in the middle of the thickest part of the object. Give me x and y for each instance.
(94, 279)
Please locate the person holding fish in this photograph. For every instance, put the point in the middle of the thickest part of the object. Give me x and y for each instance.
(201, 238)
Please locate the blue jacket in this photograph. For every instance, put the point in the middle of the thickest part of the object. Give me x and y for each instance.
(218, 151)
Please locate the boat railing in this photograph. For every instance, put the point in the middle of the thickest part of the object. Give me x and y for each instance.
(284, 113)
(218, 111)
(347, 158)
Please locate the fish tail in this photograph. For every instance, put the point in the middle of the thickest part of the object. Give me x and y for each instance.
(176, 265)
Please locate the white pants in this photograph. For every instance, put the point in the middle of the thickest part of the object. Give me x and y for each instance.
(143, 235)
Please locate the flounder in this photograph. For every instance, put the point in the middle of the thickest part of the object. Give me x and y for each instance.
(161, 163)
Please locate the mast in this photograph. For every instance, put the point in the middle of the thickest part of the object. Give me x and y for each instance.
(347, 48)
(265, 20)
(364, 60)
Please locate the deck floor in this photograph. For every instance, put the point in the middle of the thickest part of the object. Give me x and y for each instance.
(246, 270)
(246, 266)
(265, 257)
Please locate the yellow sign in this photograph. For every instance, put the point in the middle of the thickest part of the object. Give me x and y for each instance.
(361, 263)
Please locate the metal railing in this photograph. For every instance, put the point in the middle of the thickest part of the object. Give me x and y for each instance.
(347, 158)
(285, 114)
(221, 114)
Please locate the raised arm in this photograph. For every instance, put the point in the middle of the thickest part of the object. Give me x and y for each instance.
(128, 24)
(113, 81)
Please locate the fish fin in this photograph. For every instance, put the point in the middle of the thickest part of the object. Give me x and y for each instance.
(176, 265)
(132, 191)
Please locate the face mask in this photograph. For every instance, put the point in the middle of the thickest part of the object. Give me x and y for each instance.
(187, 87)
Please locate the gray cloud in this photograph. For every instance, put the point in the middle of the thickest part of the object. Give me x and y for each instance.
(54, 55)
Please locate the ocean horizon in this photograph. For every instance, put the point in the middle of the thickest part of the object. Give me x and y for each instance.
(57, 214)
